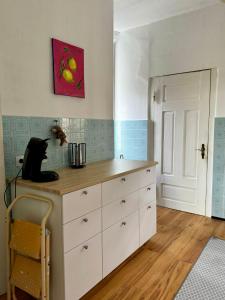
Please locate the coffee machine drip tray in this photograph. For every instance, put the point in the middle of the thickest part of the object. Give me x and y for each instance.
(46, 176)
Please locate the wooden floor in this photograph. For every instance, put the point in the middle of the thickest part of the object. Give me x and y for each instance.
(158, 270)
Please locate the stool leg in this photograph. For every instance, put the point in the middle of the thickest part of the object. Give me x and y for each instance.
(14, 292)
(43, 264)
(9, 292)
(47, 263)
(8, 261)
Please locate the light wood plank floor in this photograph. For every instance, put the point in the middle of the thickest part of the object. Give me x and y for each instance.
(157, 271)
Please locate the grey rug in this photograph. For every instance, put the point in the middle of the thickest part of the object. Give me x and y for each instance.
(206, 281)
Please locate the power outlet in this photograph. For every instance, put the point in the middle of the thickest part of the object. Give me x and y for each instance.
(19, 160)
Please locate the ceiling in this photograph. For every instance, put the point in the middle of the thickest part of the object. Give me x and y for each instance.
(134, 13)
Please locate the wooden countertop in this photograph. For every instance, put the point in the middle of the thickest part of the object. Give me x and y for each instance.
(94, 173)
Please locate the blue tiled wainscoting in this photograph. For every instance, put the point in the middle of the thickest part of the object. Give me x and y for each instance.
(17, 131)
(131, 139)
(218, 208)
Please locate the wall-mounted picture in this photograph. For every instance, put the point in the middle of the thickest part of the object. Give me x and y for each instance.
(68, 69)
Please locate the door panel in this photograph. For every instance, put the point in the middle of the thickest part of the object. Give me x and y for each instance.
(176, 193)
(168, 142)
(181, 113)
(190, 143)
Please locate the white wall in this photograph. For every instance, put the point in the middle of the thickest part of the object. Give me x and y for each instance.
(26, 27)
(192, 41)
(131, 77)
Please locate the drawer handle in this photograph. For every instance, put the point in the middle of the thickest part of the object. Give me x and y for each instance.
(85, 220)
(148, 170)
(84, 193)
(149, 207)
(123, 224)
(123, 201)
(148, 189)
(85, 247)
(123, 179)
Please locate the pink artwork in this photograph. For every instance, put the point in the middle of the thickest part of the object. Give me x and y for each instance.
(68, 69)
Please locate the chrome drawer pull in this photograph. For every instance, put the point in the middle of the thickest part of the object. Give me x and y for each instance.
(84, 192)
(148, 189)
(123, 179)
(149, 207)
(123, 201)
(148, 170)
(85, 247)
(123, 224)
(85, 220)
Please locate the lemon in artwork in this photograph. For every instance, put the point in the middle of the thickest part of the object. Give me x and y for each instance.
(68, 76)
(72, 64)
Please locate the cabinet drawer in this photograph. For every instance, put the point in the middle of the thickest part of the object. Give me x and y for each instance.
(147, 176)
(147, 194)
(119, 242)
(81, 202)
(119, 209)
(83, 268)
(119, 187)
(147, 222)
(81, 229)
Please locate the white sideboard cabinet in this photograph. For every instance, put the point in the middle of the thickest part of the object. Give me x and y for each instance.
(96, 228)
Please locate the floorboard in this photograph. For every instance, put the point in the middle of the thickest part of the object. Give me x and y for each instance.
(158, 270)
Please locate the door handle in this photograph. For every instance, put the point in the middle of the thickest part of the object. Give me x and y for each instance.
(202, 150)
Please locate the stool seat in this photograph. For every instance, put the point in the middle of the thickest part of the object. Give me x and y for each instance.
(26, 275)
(26, 238)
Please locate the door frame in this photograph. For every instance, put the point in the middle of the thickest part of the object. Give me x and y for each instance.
(212, 114)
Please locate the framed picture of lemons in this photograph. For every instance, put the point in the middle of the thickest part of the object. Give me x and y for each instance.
(68, 69)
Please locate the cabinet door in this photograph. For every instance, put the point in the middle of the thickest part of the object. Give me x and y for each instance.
(147, 177)
(81, 202)
(82, 229)
(147, 194)
(119, 209)
(83, 268)
(119, 242)
(147, 222)
(119, 187)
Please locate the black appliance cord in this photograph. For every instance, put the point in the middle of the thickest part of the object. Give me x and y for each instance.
(8, 185)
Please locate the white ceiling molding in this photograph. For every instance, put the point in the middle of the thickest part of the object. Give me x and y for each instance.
(134, 13)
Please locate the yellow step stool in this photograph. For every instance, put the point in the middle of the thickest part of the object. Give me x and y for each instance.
(28, 253)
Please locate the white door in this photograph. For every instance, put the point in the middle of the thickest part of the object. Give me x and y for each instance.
(180, 111)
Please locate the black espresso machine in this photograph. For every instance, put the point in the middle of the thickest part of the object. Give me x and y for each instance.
(34, 154)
